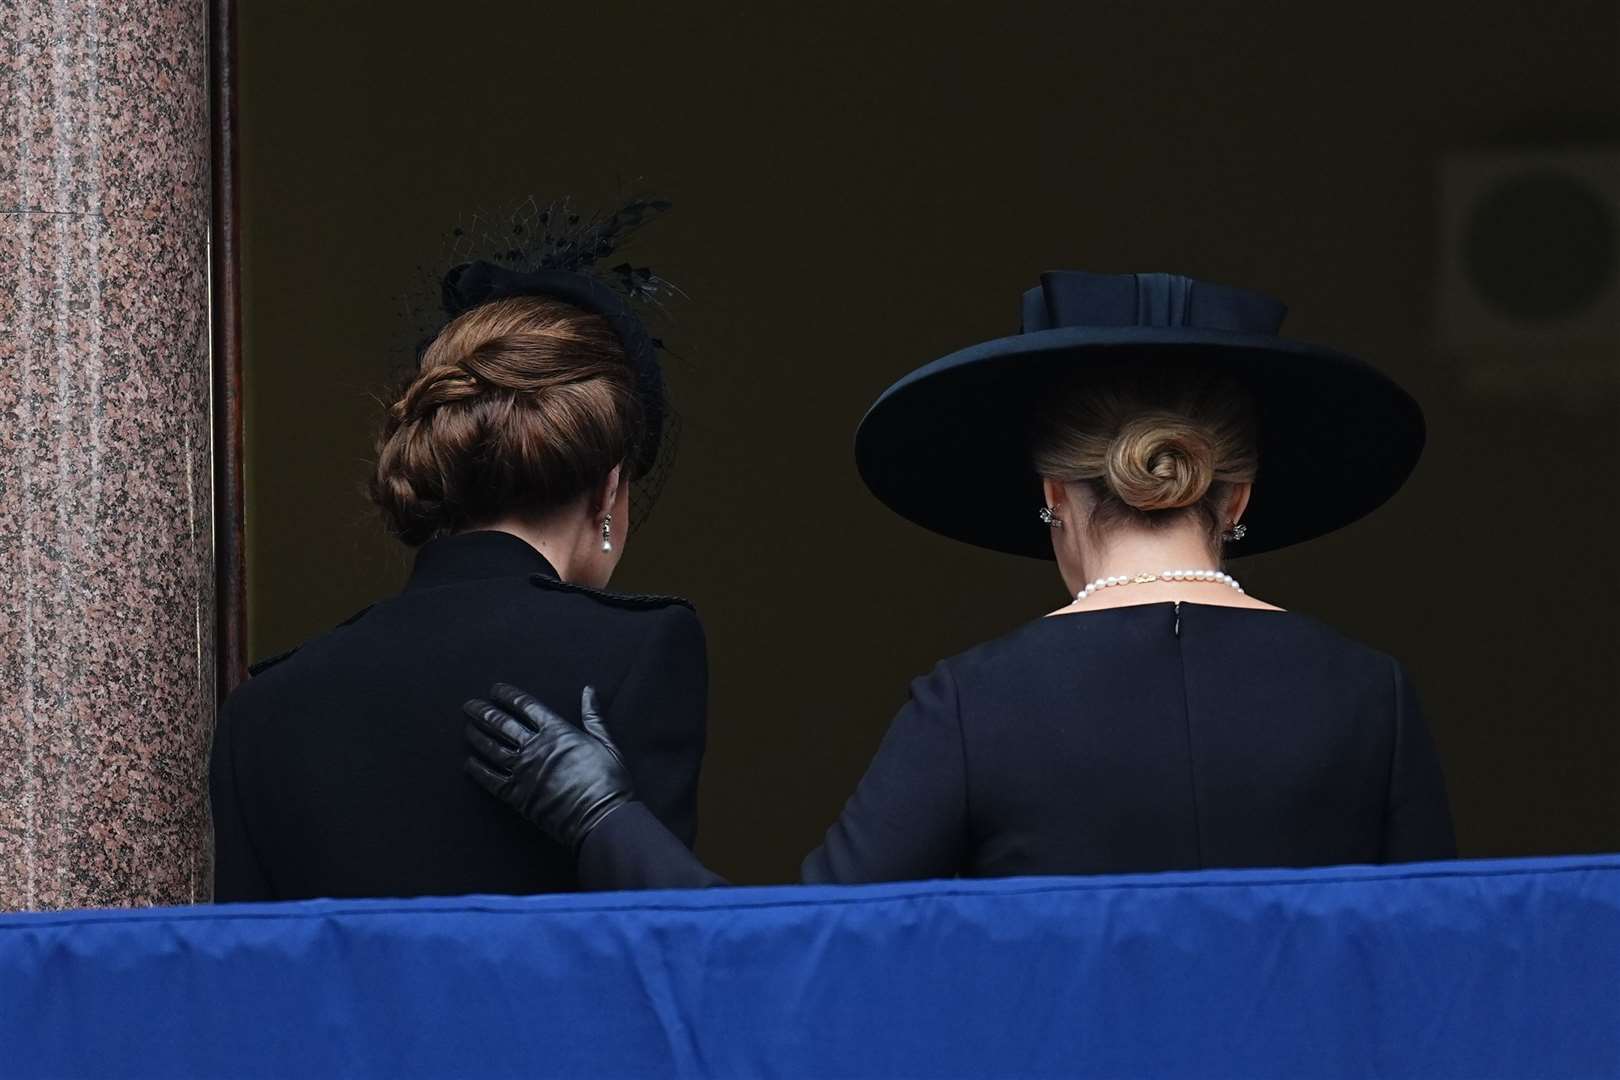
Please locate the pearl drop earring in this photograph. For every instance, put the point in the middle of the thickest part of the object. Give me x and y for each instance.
(607, 533)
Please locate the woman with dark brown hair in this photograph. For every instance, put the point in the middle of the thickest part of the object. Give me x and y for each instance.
(1141, 429)
(508, 463)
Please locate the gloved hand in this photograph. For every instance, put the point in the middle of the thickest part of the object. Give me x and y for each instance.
(560, 778)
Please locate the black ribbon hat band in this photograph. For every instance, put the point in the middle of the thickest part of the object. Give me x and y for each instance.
(1075, 298)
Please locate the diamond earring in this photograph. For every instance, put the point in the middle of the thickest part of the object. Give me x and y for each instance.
(1236, 531)
(1049, 519)
(607, 532)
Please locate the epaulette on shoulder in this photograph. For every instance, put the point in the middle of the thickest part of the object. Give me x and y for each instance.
(271, 661)
(632, 601)
(260, 666)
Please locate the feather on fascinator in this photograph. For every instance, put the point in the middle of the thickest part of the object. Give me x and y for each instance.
(554, 250)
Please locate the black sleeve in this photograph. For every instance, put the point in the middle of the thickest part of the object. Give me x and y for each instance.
(658, 716)
(238, 875)
(631, 849)
(907, 820)
(1417, 818)
(908, 817)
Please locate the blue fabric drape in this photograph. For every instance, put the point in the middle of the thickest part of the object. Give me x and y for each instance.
(1508, 968)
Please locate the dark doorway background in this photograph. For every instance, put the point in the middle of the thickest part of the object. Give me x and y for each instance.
(860, 188)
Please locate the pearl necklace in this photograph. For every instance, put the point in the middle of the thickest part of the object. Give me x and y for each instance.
(1216, 576)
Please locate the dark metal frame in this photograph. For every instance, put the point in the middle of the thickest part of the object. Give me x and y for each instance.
(230, 563)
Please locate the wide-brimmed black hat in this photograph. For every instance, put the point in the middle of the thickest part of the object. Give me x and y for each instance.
(948, 446)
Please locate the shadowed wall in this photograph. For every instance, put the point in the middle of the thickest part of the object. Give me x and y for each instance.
(860, 189)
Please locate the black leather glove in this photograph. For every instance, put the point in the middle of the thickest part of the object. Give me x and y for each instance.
(560, 778)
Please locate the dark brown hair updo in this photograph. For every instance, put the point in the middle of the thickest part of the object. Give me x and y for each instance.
(1152, 446)
(519, 406)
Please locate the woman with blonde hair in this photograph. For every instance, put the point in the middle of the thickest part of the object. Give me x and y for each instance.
(1140, 430)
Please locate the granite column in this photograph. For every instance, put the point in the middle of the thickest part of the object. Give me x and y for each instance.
(106, 554)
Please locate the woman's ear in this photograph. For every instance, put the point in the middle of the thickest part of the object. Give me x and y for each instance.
(1055, 494)
(1238, 503)
(608, 493)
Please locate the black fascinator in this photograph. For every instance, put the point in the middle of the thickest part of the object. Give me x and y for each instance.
(555, 250)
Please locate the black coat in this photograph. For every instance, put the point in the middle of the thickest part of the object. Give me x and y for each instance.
(337, 769)
(1147, 738)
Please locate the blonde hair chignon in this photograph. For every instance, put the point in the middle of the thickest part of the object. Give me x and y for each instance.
(1152, 446)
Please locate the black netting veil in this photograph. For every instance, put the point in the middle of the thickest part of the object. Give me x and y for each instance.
(554, 249)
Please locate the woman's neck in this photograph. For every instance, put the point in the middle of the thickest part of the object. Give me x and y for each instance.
(1135, 553)
(558, 541)
(1130, 554)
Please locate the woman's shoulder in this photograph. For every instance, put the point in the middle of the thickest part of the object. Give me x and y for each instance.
(498, 608)
(1111, 635)
(648, 618)
(545, 602)
(267, 663)
(617, 601)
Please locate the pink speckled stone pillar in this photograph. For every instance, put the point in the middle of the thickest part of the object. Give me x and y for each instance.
(106, 571)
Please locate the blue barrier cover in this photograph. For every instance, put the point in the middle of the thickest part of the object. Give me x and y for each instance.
(1508, 968)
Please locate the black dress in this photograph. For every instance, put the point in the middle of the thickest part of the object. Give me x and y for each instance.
(336, 769)
(1148, 738)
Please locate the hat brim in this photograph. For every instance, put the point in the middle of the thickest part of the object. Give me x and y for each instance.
(947, 446)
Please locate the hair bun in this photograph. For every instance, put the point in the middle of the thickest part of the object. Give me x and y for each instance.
(445, 384)
(518, 407)
(1159, 461)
